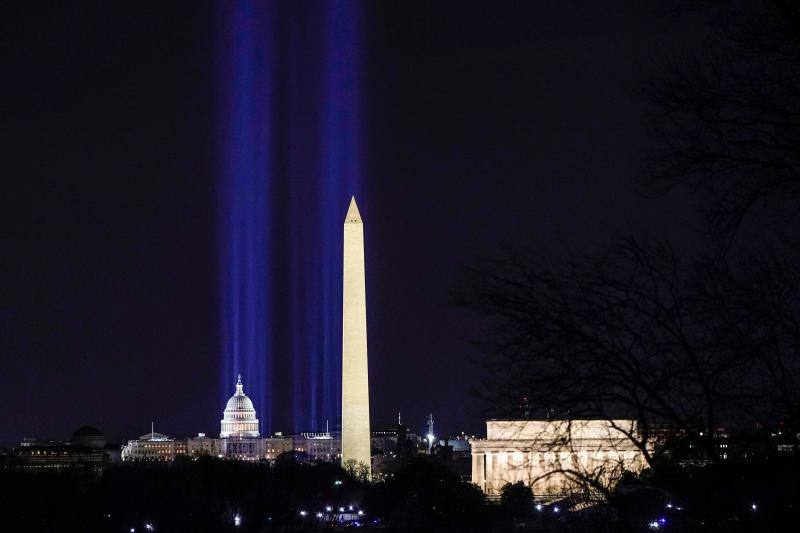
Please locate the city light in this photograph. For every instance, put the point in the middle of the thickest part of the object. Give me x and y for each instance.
(319, 515)
(556, 509)
(538, 506)
(337, 482)
(328, 508)
(303, 513)
(341, 509)
(349, 507)
(753, 507)
(654, 524)
(149, 527)
(237, 520)
(360, 513)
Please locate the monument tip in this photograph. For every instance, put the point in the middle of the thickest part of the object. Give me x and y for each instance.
(353, 216)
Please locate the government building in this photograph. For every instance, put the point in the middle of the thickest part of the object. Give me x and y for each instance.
(239, 438)
(548, 454)
(86, 449)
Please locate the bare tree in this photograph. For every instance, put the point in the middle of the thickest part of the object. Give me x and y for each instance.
(758, 301)
(634, 333)
(726, 120)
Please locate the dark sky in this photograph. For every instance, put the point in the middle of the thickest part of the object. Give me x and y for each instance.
(516, 123)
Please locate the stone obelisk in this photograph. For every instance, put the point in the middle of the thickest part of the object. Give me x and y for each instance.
(355, 376)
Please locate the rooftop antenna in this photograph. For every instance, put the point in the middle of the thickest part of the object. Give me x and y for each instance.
(152, 430)
(398, 418)
(327, 429)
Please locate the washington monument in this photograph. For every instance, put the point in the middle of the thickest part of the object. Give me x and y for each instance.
(355, 375)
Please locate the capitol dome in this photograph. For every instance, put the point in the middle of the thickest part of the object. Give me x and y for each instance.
(88, 437)
(239, 418)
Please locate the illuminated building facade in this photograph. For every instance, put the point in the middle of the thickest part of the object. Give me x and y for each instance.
(276, 445)
(239, 440)
(546, 454)
(154, 447)
(319, 446)
(239, 418)
(84, 450)
(202, 445)
(242, 448)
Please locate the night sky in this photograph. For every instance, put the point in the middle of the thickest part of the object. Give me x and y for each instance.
(512, 124)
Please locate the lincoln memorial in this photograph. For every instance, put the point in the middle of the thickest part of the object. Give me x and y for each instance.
(550, 455)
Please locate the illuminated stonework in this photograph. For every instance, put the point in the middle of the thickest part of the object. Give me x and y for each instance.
(551, 455)
(239, 418)
(355, 374)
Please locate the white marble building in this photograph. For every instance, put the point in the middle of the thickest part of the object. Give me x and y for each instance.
(546, 454)
(239, 418)
(239, 439)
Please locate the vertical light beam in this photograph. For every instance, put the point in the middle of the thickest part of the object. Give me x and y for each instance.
(289, 130)
(245, 63)
(340, 174)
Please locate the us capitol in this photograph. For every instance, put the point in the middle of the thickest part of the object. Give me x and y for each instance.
(239, 438)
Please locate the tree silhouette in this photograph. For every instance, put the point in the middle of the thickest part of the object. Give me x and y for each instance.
(726, 120)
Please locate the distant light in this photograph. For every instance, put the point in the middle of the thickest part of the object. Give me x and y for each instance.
(341, 509)
(133, 529)
(237, 520)
(654, 524)
(753, 507)
(662, 520)
(337, 482)
(319, 515)
(329, 508)
(669, 506)
(303, 513)
(360, 513)
(149, 527)
(556, 509)
(538, 506)
(349, 507)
